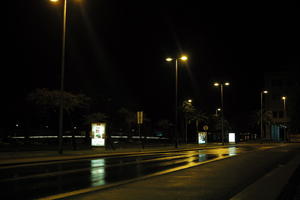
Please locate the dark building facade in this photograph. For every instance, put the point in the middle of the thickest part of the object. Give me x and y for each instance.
(280, 85)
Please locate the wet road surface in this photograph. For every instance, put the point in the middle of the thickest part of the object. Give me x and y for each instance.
(43, 179)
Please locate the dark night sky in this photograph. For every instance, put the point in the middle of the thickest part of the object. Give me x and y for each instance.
(117, 49)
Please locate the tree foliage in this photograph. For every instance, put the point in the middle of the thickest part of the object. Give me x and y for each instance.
(164, 124)
(191, 114)
(50, 99)
(267, 118)
(215, 123)
(126, 118)
(95, 117)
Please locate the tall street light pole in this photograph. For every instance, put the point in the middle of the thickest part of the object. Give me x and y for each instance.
(284, 116)
(284, 105)
(183, 58)
(222, 106)
(218, 109)
(62, 78)
(261, 112)
(187, 103)
(63, 53)
(176, 103)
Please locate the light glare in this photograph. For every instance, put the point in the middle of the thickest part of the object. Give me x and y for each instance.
(184, 58)
(231, 137)
(169, 59)
(216, 84)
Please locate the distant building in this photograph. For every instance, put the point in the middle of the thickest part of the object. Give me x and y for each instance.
(279, 86)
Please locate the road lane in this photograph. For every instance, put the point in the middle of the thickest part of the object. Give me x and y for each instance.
(215, 180)
(38, 180)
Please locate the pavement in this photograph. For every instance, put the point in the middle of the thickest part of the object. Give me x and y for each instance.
(220, 181)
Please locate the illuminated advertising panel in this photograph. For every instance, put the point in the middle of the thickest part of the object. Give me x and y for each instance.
(231, 137)
(202, 137)
(98, 134)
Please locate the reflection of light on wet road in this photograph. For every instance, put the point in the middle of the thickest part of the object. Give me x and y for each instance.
(101, 172)
(97, 172)
(104, 171)
(232, 151)
(202, 157)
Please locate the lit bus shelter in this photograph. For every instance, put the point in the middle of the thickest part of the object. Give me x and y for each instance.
(231, 137)
(98, 134)
(202, 137)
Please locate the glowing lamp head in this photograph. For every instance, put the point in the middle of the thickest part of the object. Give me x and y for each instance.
(216, 84)
(219, 109)
(54, 0)
(283, 98)
(190, 101)
(265, 92)
(169, 59)
(184, 58)
(227, 83)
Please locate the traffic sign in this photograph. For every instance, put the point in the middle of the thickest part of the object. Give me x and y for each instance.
(205, 127)
(140, 117)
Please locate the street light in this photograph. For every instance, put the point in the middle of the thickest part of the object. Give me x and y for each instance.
(63, 52)
(261, 111)
(218, 109)
(222, 106)
(284, 115)
(284, 106)
(187, 103)
(169, 59)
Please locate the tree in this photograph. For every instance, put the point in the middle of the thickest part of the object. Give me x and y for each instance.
(164, 126)
(226, 125)
(47, 103)
(267, 120)
(95, 117)
(199, 117)
(191, 114)
(126, 119)
(188, 109)
(51, 99)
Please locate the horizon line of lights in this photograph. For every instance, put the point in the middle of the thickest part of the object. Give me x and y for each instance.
(80, 136)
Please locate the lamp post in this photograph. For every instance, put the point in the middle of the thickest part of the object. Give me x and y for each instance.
(217, 110)
(169, 59)
(284, 105)
(261, 111)
(187, 103)
(284, 116)
(222, 106)
(63, 52)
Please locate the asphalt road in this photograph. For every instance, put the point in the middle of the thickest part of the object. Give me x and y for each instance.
(37, 180)
(260, 172)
